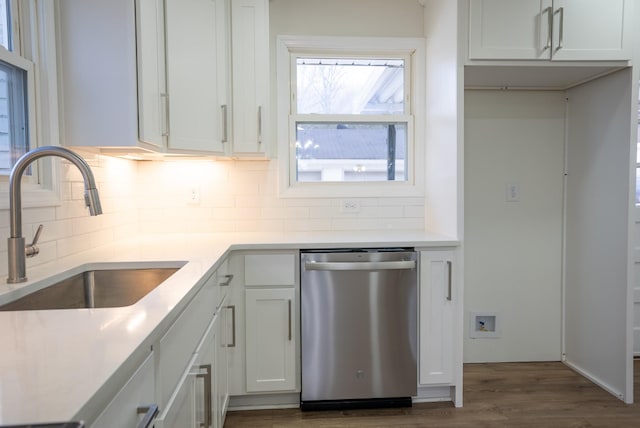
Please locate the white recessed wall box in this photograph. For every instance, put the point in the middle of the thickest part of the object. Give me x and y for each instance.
(484, 325)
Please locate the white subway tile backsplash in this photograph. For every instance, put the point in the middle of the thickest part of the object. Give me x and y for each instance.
(38, 215)
(416, 211)
(54, 230)
(151, 197)
(381, 212)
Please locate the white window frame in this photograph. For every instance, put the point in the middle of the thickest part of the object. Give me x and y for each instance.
(413, 48)
(35, 51)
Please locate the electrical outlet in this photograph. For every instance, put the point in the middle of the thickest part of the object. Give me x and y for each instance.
(350, 206)
(512, 192)
(194, 195)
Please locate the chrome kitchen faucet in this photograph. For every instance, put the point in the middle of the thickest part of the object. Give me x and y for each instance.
(18, 250)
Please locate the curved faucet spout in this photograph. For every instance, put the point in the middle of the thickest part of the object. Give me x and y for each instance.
(16, 245)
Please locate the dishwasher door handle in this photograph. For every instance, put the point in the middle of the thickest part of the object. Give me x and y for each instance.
(404, 264)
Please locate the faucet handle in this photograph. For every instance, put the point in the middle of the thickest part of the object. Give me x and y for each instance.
(32, 249)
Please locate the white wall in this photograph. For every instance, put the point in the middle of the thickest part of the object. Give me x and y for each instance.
(513, 249)
(379, 18)
(358, 18)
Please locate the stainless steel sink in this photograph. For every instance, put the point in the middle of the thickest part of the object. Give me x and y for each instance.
(94, 288)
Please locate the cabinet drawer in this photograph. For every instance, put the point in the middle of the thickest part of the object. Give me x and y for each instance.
(269, 269)
(179, 343)
(137, 392)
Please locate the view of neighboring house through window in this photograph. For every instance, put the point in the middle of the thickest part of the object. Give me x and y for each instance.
(14, 138)
(351, 118)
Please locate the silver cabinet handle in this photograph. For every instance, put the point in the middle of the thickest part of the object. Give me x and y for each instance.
(225, 137)
(150, 411)
(233, 326)
(165, 99)
(259, 124)
(406, 264)
(449, 269)
(549, 11)
(561, 28)
(289, 320)
(226, 283)
(207, 394)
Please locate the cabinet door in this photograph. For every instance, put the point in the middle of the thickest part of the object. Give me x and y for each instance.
(180, 411)
(98, 67)
(250, 64)
(592, 29)
(270, 336)
(151, 72)
(437, 318)
(137, 392)
(192, 73)
(507, 29)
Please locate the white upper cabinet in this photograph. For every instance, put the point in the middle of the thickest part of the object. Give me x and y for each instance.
(250, 65)
(589, 30)
(98, 72)
(195, 116)
(154, 84)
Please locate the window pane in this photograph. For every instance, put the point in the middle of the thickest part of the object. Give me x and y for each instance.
(5, 25)
(351, 151)
(350, 86)
(637, 186)
(13, 117)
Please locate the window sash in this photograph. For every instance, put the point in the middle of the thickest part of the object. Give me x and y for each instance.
(410, 160)
(305, 54)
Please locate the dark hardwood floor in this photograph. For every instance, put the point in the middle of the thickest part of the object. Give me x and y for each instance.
(495, 395)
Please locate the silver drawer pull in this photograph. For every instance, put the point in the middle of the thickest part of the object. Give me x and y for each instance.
(207, 393)
(150, 411)
(449, 284)
(233, 326)
(226, 283)
(290, 336)
(225, 136)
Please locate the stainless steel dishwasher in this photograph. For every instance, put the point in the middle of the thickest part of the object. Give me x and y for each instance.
(359, 328)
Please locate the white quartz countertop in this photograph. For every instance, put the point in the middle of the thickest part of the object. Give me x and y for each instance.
(58, 365)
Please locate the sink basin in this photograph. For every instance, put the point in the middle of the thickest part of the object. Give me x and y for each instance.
(95, 288)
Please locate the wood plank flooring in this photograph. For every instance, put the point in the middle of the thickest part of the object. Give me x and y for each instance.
(495, 395)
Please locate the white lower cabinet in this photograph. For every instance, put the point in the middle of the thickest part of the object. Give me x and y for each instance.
(437, 312)
(194, 349)
(134, 400)
(264, 354)
(271, 345)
